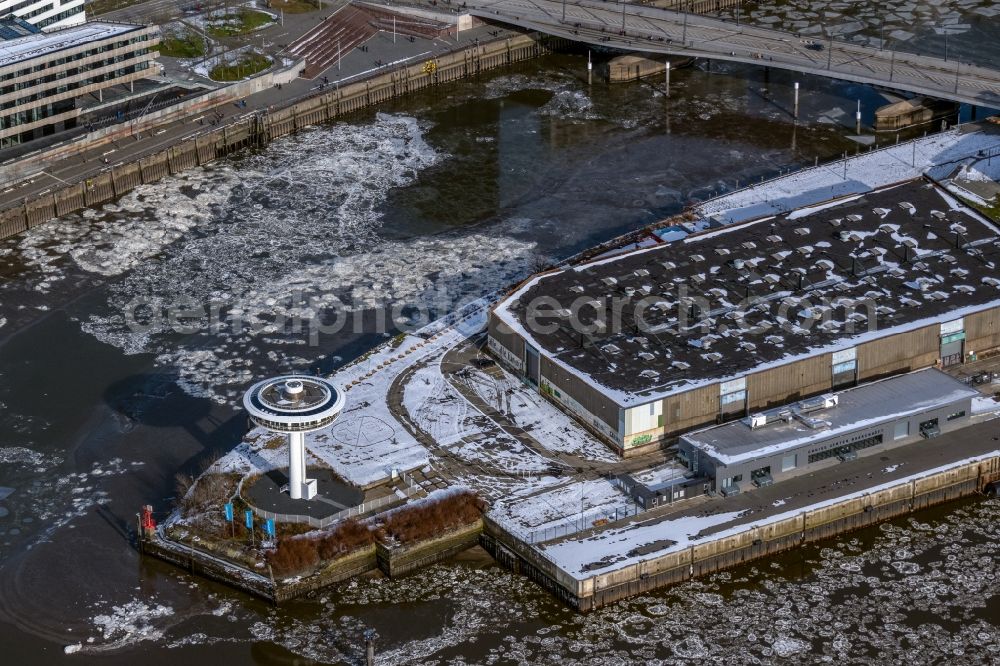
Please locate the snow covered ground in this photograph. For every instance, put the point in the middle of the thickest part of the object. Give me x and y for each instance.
(564, 510)
(366, 443)
(435, 407)
(608, 548)
(545, 422)
(985, 405)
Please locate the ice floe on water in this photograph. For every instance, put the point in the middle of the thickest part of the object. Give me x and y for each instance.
(217, 265)
(19, 455)
(571, 105)
(53, 499)
(124, 626)
(119, 237)
(501, 86)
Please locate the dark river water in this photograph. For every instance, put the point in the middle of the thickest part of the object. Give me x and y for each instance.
(441, 198)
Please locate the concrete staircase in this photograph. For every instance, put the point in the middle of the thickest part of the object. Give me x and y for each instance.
(339, 33)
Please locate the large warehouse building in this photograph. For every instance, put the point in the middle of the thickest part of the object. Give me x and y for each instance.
(646, 345)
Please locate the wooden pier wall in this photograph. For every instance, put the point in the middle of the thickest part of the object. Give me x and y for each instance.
(262, 128)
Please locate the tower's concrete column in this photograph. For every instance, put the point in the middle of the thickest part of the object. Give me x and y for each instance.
(296, 464)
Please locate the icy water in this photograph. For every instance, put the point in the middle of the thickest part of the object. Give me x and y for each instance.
(390, 219)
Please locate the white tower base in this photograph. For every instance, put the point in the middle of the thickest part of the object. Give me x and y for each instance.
(299, 487)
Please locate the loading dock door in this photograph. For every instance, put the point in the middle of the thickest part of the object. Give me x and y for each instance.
(952, 349)
(532, 371)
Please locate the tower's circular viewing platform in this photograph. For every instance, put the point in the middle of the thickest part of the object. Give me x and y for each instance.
(294, 403)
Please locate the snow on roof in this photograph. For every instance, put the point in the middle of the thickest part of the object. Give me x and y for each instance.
(861, 407)
(34, 46)
(622, 546)
(935, 155)
(895, 268)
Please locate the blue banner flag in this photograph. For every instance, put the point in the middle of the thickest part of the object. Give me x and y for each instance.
(269, 526)
(249, 517)
(229, 511)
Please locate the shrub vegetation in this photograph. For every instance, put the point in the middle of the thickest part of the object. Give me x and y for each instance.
(295, 555)
(430, 519)
(249, 63)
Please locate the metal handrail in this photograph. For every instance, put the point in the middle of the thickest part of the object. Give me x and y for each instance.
(321, 523)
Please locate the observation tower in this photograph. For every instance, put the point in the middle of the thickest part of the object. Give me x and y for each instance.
(295, 405)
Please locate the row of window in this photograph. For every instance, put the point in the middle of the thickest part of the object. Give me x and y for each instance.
(61, 16)
(110, 46)
(21, 5)
(74, 85)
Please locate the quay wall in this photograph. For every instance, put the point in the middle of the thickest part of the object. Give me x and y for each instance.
(393, 562)
(213, 568)
(259, 129)
(398, 561)
(754, 542)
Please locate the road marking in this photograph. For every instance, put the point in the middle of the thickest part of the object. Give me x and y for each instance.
(56, 177)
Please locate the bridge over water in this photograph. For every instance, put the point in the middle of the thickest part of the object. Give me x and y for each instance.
(631, 27)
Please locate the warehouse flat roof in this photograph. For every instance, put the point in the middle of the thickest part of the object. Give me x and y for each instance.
(862, 407)
(24, 48)
(739, 299)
